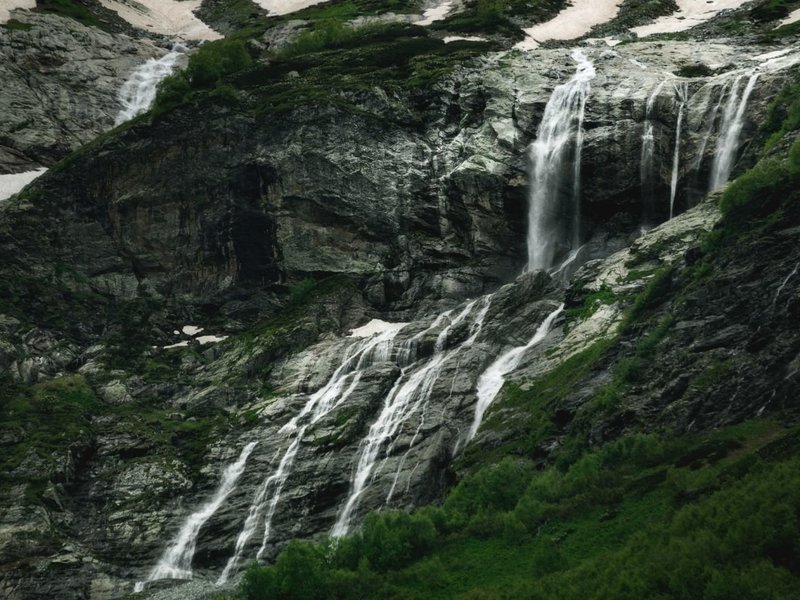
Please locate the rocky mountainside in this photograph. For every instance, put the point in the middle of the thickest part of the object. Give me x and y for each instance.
(298, 290)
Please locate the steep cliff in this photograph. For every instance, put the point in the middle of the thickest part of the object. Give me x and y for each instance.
(383, 179)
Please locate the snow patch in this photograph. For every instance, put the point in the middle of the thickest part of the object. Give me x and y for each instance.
(464, 38)
(572, 22)
(375, 326)
(435, 13)
(690, 14)
(284, 7)
(6, 6)
(793, 17)
(182, 344)
(211, 339)
(191, 330)
(168, 17)
(11, 184)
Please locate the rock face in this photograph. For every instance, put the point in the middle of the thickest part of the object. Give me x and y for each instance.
(435, 212)
(424, 209)
(62, 79)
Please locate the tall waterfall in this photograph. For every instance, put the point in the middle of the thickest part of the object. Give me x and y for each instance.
(730, 131)
(492, 379)
(682, 91)
(139, 92)
(554, 197)
(646, 173)
(176, 562)
(410, 395)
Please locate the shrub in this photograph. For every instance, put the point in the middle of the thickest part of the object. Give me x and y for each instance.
(495, 488)
(215, 60)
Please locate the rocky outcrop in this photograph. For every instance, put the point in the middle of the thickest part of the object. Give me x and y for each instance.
(421, 204)
(62, 79)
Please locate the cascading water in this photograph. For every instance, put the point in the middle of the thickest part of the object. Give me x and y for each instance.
(492, 379)
(711, 120)
(176, 563)
(338, 388)
(730, 131)
(139, 92)
(682, 91)
(439, 348)
(783, 285)
(553, 219)
(648, 158)
(409, 395)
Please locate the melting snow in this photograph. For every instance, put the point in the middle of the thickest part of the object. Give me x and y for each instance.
(436, 13)
(793, 17)
(690, 14)
(375, 326)
(284, 7)
(11, 184)
(6, 6)
(211, 339)
(462, 38)
(572, 22)
(182, 344)
(168, 17)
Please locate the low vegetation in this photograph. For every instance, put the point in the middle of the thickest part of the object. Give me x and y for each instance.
(641, 517)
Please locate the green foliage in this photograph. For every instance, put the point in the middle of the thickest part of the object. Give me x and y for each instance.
(301, 292)
(759, 192)
(654, 293)
(216, 60)
(639, 517)
(14, 25)
(772, 10)
(783, 115)
(591, 302)
(208, 71)
(72, 9)
(496, 488)
(46, 419)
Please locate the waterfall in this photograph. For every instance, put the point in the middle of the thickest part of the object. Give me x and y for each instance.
(492, 379)
(783, 286)
(338, 388)
(682, 91)
(712, 119)
(648, 157)
(139, 92)
(730, 131)
(409, 396)
(555, 166)
(176, 563)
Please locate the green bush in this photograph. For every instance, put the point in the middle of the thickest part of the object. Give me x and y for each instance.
(393, 539)
(783, 115)
(492, 489)
(216, 60)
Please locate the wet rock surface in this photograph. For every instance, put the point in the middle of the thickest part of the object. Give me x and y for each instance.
(409, 221)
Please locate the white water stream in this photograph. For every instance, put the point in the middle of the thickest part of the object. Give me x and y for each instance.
(647, 166)
(139, 92)
(176, 562)
(492, 379)
(410, 395)
(730, 131)
(682, 91)
(554, 217)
